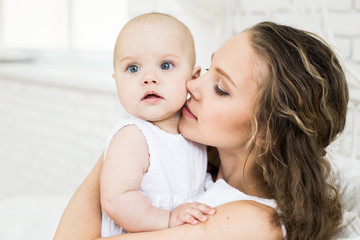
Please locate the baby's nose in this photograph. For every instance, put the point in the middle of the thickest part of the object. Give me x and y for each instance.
(149, 79)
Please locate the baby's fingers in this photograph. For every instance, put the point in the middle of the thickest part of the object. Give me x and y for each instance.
(204, 208)
(197, 214)
(188, 218)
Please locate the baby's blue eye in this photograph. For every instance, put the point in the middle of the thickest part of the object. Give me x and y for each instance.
(132, 68)
(166, 65)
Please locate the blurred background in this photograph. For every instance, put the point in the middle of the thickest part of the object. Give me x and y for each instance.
(58, 101)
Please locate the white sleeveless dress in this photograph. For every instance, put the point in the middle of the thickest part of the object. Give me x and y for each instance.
(176, 173)
(220, 192)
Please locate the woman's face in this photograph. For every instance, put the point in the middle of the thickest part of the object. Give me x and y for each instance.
(222, 100)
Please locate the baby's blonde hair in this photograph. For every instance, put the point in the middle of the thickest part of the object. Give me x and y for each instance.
(155, 17)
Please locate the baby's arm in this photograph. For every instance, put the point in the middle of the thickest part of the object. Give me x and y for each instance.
(127, 160)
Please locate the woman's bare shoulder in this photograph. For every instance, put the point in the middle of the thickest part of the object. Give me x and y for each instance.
(244, 220)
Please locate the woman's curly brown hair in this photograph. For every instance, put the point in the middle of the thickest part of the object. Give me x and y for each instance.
(300, 109)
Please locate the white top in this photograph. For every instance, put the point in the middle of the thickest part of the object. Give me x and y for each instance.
(220, 192)
(176, 173)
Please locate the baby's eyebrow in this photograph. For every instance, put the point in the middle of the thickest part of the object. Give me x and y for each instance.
(212, 55)
(124, 59)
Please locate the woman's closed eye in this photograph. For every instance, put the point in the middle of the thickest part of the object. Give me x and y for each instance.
(219, 91)
(166, 66)
(132, 68)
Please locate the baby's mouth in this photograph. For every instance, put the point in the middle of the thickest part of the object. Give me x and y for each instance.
(151, 97)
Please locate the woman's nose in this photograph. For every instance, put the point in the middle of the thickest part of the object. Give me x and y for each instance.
(193, 87)
(149, 78)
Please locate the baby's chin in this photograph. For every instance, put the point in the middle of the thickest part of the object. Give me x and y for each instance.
(158, 117)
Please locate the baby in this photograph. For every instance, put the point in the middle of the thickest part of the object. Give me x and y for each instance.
(151, 173)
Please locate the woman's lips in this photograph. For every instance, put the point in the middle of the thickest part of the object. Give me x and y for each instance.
(186, 111)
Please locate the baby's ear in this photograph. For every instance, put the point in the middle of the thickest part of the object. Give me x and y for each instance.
(196, 72)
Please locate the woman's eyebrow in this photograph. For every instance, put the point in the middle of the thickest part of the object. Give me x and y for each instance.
(223, 73)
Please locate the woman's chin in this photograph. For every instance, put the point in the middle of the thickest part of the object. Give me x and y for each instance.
(185, 127)
(181, 124)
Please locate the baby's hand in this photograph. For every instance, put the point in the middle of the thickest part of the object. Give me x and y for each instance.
(190, 213)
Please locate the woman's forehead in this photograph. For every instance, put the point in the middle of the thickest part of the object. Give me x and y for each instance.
(238, 43)
(236, 58)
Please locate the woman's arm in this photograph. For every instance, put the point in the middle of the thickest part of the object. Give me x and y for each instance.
(82, 217)
(245, 220)
(236, 220)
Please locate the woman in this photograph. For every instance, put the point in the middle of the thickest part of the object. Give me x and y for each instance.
(273, 99)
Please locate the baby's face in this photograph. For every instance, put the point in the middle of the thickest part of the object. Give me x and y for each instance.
(152, 64)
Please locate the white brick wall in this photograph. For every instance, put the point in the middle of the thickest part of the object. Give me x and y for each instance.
(344, 23)
(50, 136)
(343, 5)
(356, 50)
(53, 128)
(344, 46)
